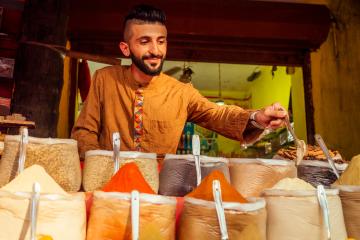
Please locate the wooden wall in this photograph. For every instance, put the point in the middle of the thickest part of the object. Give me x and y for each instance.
(38, 70)
(336, 80)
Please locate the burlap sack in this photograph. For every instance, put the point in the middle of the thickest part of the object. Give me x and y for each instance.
(61, 217)
(110, 217)
(178, 173)
(319, 172)
(296, 215)
(244, 220)
(251, 176)
(59, 157)
(350, 199)
(99, 168)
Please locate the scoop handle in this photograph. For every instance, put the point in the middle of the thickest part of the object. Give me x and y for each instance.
(116, 151)
(220, 210)
(196, 154)
(34, 208)
(321, 194)
(324, 148)
(135, 212)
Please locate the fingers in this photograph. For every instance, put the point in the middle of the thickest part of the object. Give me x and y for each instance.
(274, 124)
(275, 113)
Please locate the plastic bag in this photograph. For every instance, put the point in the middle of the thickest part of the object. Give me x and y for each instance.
(61, 217)
(99, 168)
(178, 173)
(110, 217)
(350, 199)
(59, 157)
(319, 172)
(251, 176)
(244, 220)
(296, 215)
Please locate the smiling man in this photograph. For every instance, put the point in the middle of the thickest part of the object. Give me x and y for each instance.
(149, 108)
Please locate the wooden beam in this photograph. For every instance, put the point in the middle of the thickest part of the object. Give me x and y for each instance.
(309, 104)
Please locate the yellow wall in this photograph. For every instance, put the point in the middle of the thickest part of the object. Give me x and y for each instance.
(268, 89)
(336, 81)
(298, 104)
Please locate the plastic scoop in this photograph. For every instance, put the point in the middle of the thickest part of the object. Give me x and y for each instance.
(135, 212)
(220, 209)
(301, 147)
(116, 153)
(24, 140)
(196, 154)
(325, 150)
(34, 207)
(321, 195)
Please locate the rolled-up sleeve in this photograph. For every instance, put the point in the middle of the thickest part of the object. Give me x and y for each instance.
(87, 127)
(228, 120)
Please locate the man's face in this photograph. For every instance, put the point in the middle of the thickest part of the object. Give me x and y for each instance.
(147, 46)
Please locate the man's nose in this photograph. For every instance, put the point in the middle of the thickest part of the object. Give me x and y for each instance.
(154, 48)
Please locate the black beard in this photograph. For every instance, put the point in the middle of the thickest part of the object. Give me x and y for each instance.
(140, 64)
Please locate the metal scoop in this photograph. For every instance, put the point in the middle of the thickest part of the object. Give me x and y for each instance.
(301, 147)
(220, 210)
(321, 195)
(323, 147)
(34, 208)
(116, 149)
(196, 154)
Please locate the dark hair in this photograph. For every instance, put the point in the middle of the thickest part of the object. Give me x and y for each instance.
(146, 13)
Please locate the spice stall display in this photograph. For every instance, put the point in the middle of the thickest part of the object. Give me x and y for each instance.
(319, 172)
(294, 212)
(59, 216)
(59, 157)
(315, 167)
(178, 174)
(350, 199)
(99, 168)
(110, 217)
(244, 218)
(251, 176)
(127, 179)
(349, 187)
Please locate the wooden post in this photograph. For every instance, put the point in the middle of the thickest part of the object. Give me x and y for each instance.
(39, 71)
(309, 105)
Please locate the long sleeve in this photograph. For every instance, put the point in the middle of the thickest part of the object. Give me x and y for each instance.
(87, 128)
(229, 121)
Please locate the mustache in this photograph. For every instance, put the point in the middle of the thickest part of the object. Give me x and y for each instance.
(152, 56)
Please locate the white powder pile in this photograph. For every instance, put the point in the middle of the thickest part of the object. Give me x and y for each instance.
(293, 184)
(24, 181)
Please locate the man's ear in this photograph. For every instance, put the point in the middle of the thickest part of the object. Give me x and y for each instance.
(125, 49)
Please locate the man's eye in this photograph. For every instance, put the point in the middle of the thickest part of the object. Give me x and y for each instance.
(143, 42)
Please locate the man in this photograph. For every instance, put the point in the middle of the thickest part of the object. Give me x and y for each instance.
(149, 108)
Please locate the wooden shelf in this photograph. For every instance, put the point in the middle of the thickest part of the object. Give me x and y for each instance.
(17, 123)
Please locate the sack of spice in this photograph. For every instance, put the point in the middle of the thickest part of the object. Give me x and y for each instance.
(178, 173)
(319, 172)
(99, 168)
(252, 176)
(245, 218)
(295, 213)
(350, 200)
(349, 187)
(110, 217)
(60, 215)
(59, 157)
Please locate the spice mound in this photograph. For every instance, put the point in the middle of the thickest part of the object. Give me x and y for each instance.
(293, 184)
(127, 179)
(228, 193)
(24, 181)
(351, 176)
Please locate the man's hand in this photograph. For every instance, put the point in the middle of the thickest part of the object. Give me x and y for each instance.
(272, 116)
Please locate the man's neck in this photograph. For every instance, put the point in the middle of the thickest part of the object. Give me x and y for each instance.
(140, 77)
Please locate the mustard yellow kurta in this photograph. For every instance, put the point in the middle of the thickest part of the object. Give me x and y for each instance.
(167, 105)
